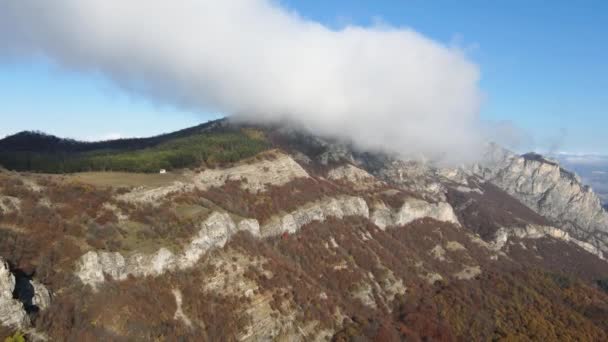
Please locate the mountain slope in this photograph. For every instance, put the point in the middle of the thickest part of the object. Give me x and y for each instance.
(29, 141)
(210, 143)
(309, 240)
(549, 190)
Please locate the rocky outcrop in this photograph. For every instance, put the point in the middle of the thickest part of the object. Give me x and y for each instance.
(34, 295)
(249, 225)
(279, 170)
(215, 232)
(12, 312)
(154, 195)
(536, 232)
(417, 177)
(335, 153)
(545, 187)
(42, 296)
(9, 204)
(359, 179)
(468, 273)
(179, 312)
(338, 207)
(94, 266)
(411, 210)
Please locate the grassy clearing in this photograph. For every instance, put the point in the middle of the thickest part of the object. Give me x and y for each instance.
(192, 212)
(140, 237)
(136, 240)
(125, 179)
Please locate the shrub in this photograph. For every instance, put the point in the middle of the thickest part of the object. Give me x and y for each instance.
(17, 337)
(603, 284)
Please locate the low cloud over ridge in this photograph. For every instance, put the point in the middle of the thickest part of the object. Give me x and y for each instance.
(380, 87)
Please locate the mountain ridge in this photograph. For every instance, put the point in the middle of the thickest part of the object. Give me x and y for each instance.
(307, 239)
(208, 143)
(549, 190)
(497, 165)
(32, 141)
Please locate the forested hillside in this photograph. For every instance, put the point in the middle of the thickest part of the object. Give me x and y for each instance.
(209, 144)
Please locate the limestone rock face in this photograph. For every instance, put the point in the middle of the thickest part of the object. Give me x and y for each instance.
(12, 312)
(417, 177)
(468, 273)
(215, 232)
(179, 312)
(32, 294)
(93, 267)
(533, 231)
(455, 175)
(278, 171)
(154, 195)
(42, 296)
(335, 153)
(551, 191)
(150, 264)
(360, 179)
(382, 216)
(255, 177)
(7, 281)
(9, 204)
(411, 210)
(249, 225)
(414, 209)
(318, 211)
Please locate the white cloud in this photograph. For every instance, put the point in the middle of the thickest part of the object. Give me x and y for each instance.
(382, 87)
(507, 134)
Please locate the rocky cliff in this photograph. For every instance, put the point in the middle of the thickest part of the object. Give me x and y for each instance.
(19, 297)
(12, 312)
(94, 266)
(548, 189)
(542, 185)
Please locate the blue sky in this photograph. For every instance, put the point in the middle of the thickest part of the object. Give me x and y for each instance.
(544, 66)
